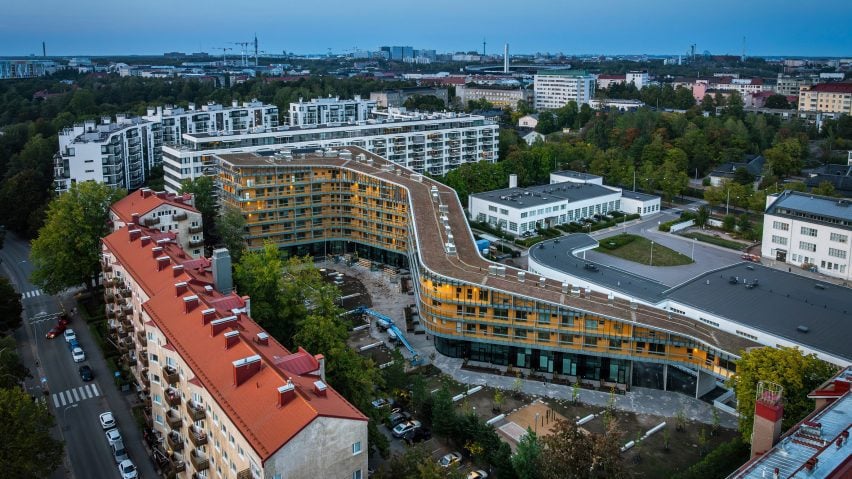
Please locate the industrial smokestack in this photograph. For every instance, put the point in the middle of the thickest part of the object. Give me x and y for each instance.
(43, 49)
(506, 59)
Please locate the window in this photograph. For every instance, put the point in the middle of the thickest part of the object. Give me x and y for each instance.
(157, 399)
(591, 324)
(837, 253)
(566, 338)
(356, 448)
(779, 240)
(840, 238)
(521, 333)
(803, 245)
(779, 225)
(492, 208)
(809, 231)
(504, 211)
(544, 336)
(356, 474)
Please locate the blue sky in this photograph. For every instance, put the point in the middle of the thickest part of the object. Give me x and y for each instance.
(780, 27)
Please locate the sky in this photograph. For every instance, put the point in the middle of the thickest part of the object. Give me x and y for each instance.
(610, 27)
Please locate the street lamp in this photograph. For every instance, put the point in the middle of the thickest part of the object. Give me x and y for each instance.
(693, 249)
(651, 263)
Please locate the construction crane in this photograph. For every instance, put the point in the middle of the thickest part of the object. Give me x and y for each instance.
(224, 49)
(244, 49)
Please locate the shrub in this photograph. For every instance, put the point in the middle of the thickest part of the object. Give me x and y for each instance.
(722, 461)
(616, 242)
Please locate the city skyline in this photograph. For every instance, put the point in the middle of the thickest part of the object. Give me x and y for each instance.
(608, 27)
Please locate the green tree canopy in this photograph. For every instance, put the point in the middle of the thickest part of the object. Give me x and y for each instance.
(27, 447)
(203, 192)
(424, 103)
(526, 458)
(230, 228)
(797, 373)
(10, 306)
(777, 101)
(67, 251)
(570, 453)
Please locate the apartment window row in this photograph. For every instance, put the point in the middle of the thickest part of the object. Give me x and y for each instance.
(780, 225)
(805, 246)
(779, 240)
(809, 231)
(837, 253)
(746, 335)
(839, 238)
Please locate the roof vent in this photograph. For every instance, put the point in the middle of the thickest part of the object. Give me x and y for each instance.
(231, 339)
(320, 388)
(156, 250)
(134, 234)
(180, 288)
(189, 303)
(286, 393)
(245, 368)
(162, 262)
(145, 240)
(208, 289)
(803, 329)
(177, 270)
(207, 315)
(262, 338)
(819, 286)
(219, 325)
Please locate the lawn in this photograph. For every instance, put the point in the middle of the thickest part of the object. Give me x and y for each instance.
(638, 249)
(716, 241)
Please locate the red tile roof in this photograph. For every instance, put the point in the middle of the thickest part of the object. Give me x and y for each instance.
(144, 200)
(252, 405)
(833, 87)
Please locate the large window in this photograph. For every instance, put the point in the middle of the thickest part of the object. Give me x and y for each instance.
(809, 231)
(779, 225)
(779, 240)
(840, 238)
(804, 245)
(837, 253)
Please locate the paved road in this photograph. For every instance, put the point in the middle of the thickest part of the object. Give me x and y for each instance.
(75, 404)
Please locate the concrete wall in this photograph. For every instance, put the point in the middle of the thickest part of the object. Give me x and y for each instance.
(322, 449)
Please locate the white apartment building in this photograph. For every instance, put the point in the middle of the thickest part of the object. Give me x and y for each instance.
(519, 211)
(745, 86)
(433, 143)
(117, 153)
(324, 111)
(555, 89)
(639, 79)
(809, 231)
(212, 118)
(499, 97)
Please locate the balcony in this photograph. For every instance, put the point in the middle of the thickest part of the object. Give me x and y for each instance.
(195, 411)
(140, 337)
(170, 374)
(176, 464)
(151, 221)
(179, 216)
(174, 441)
(244, 474)
(143, 358)
(173, 419)
(197, 436)
(199, 460)
(195, 229)
(196, 243)
(172, 397)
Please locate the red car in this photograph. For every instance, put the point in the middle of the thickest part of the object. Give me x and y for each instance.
(56, 330)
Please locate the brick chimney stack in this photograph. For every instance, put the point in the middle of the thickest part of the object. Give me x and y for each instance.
(768, 413)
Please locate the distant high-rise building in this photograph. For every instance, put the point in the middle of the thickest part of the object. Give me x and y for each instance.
(329, 110)
(399, 53)
(555, 89)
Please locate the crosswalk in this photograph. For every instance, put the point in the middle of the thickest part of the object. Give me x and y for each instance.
(32, 294)
(73, 395)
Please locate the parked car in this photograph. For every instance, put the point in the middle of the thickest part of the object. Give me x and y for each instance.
(86, 373)
(591, 267)
(119, 453)
(127, 469)
(381, 403)
(405, 427)
(418, 435)
(73, 344)
(55, 331)
(107, 420)
(69, 335)
(78, 354)
(449, 459)
(113, 436)
(479, 474)
(398, 417)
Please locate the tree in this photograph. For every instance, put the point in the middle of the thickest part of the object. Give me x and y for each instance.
(744, 225)
(702, 215)
(204, 199)
(743, 177)
(259, 274)
(498, 400)
(230, 227)
(12, 372)
(394, 375)
(526, 458)
(707, 103)
(416, 463)
(27, 447)
(729, 223)
(825, 188)
(67, 251)
(570, 453)
(10, 306)
(443, 414)
(777, 101)
(424, 103)
(797, 373)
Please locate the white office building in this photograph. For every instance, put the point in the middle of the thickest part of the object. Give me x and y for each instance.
(433, 143)
(325, 111)
(118, 153)
(809, 231)
(638, 79)
(555, 89)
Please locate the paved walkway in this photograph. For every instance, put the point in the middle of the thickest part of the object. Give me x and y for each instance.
(638, 400)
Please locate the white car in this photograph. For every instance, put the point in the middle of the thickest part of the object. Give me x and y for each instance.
(480, 474)
(113, 436)
(450, 459)
(107, 420)
(69, 335)
(78, 355)
(127, 469)
(405, 427)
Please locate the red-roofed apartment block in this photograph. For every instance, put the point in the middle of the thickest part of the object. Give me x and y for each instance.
(224, 395)
(163, 212)
(826, 98)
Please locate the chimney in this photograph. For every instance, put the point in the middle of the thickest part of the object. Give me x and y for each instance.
(232, 338)
(161, 195)
(219, 325)
(145, 192)
(222, 270)
(207, 315)
(162, 241)
(768, 413)
(145, 240)
(321, 360)
(189, 303)
(286, 393)
(162, 262)
(156, 250)
(134, 234)
(262, 338)
(513, 181)
(320, 388)
(245, 368)
(135, 218)
(247, 301)
(177, 270)
(180, 288)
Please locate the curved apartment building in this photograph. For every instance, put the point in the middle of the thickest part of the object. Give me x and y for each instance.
(351, 201)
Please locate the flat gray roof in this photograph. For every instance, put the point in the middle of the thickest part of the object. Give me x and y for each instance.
(778, 305)
(819, 209)
(638, 196)
(544, 194)
(576, 174)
